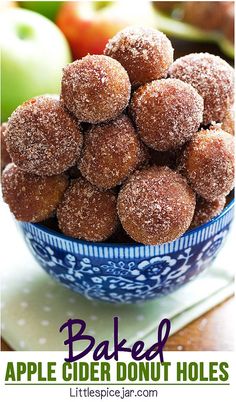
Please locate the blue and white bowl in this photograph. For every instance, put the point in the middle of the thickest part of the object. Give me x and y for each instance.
(122, 273)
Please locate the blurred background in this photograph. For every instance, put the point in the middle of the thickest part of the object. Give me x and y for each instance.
(39, 37)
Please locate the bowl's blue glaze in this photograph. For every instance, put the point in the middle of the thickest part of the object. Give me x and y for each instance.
(122, 273)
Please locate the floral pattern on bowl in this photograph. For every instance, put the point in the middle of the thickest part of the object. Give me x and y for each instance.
(122, 273)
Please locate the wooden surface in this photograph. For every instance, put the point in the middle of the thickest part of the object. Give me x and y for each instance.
(212, 331)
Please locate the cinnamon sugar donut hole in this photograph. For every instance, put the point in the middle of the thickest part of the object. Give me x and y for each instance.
(166, 6)
(208, 163)
(228, 23)
(212, 77)
(156, 205)
(42, 138)
(87, 212)
(111, 153)
(207, 210)
(5, 157)
(145, 53)
(95, 88)
(32, 198)
(228, 121)
(167, 113)
(144, 156)
(207, 15)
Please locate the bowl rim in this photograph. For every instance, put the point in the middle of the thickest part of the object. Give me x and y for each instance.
(129, 245)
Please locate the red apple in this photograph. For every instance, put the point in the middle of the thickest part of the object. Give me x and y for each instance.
(88, 25)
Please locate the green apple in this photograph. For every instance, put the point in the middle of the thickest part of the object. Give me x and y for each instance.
(34, 51)
(47, 8)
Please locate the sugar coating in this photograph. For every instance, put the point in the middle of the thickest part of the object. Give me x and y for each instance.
(228, 121)
(212, 77)
(156, 205)
(32, 198)
(207, 210)
(5, 157)
(208, 163)
(42, 138)
(144, 156)
(111, 153)
(145, 53)
(95, 88)
(87, 212)
(167, 113)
